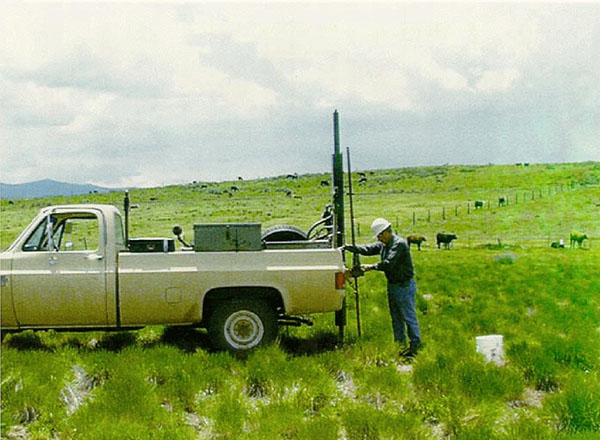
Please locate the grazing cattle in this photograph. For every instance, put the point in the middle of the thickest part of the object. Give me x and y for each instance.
(362, 180)
(324, 183)
(446, 239)
(240, 178)
(361, 174)
(501, 201)
(558, 244)
(415, 239)
(577, 238)
(292, 176)
(478, 204)
(204, 186)
(234, 188)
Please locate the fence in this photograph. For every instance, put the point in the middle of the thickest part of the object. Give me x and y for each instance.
(429, 218)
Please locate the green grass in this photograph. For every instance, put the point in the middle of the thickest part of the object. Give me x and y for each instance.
(500, 277)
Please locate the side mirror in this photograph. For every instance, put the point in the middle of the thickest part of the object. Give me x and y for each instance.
(177, 231)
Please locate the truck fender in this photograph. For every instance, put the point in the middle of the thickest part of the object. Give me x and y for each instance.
(217, 296)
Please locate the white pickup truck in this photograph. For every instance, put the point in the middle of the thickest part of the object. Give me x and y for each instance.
(71, 268)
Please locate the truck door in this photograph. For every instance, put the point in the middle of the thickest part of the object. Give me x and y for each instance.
(59, 273)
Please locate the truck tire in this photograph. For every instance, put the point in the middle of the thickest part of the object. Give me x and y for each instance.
(242, 324)
(283, 233)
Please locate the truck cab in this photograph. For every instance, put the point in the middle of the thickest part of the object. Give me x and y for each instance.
(58, 269)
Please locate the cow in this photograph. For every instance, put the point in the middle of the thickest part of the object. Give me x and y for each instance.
(558, 244)
(478, 204)
(324, 183)
(415, 239)
(362, 180)
(292, 176)
(501, 201)
(234, 188)
(577, 238)
(446, 239)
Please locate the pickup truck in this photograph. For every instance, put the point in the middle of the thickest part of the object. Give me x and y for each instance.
(72, 269)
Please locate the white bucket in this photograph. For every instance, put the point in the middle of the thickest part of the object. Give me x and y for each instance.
(491, 346)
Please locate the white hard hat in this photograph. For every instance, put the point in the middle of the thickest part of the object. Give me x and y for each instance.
(379, 225)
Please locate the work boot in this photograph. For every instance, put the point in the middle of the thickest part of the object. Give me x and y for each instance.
(412, 350)
(405, 351)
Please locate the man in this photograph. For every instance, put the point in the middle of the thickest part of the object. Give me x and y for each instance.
(397, 265)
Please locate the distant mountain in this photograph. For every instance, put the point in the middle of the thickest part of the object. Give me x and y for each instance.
(47, 188)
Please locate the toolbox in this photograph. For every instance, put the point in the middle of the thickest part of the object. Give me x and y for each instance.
(218, 237)
(151, 245)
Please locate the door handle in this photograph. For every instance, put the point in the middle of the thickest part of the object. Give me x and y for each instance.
(94, 257)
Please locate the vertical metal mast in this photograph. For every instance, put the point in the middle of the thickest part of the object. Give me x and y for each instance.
(356, 270)
(338, 203)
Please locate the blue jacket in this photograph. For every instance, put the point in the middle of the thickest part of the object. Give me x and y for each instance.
(396, 261)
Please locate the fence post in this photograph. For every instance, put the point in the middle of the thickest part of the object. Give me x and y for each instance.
(456, 211)
(429, 215)
(468, 208)
(414, 219)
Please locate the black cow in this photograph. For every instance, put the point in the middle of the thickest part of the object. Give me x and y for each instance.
(446, 239)
(501, 201)
(478, 204)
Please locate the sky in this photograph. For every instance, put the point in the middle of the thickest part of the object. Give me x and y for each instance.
(147, 94)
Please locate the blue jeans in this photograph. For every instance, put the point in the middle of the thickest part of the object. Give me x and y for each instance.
(401, 299)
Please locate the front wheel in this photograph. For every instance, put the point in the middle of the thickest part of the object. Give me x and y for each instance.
(240, 325)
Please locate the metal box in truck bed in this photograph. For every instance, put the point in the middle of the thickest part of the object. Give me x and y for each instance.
(214, 237)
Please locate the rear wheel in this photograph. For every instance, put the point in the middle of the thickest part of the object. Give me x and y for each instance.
(244, 324)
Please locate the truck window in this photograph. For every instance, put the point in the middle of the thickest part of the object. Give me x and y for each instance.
(37, 240)
(78, 234)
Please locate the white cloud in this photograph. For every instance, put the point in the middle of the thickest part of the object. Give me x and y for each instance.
(497, 80)
(118, 90)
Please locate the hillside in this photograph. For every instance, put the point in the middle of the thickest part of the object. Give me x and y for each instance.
(544, 202)
(47, 188)
(500, 277)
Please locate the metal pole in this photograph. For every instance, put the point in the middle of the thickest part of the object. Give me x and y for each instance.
(338, 203)
(126, 206)
(355, 257)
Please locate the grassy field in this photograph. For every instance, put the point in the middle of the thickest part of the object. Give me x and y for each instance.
(501, 277)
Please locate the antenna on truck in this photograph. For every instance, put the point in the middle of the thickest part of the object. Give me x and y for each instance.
(126, 207)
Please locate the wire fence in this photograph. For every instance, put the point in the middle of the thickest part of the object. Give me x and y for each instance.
(433, 219)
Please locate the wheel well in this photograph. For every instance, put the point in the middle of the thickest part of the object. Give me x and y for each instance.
(267, 294)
